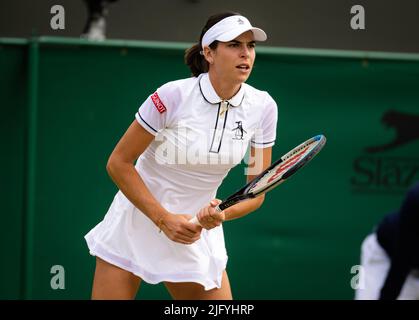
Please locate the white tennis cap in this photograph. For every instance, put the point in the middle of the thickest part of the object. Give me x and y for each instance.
(230, 28)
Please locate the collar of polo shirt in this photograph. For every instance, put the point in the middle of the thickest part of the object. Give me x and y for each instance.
(212, 97)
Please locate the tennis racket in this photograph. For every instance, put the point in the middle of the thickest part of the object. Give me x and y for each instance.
(276, 174)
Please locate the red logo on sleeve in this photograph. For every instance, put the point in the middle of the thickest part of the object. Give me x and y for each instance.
(158, 103)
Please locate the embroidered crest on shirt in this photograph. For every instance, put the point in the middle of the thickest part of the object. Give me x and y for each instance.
(239, 131)
(158, 103)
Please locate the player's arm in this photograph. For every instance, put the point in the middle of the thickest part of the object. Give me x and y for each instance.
(260, 159)
(121, 169)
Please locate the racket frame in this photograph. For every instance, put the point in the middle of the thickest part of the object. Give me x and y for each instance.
(244, 194)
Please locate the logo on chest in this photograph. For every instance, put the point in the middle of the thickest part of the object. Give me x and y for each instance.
(239, 132)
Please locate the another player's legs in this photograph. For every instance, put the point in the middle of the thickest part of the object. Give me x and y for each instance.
(112, 282)
(375, 263)
(410, 289)
(194, 291)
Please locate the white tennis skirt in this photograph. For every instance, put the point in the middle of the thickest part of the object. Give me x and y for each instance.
(129, 239)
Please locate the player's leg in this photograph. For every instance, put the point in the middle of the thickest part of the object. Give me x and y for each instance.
(375, 265)
(195, 291)
(408, 212)
(410, 289)
(112, 282)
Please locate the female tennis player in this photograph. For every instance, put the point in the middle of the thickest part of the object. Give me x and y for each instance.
(184, 140)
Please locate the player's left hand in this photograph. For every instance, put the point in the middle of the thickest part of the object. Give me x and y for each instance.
(208, 217)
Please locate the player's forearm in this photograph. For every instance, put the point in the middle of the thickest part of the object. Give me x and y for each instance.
(126, 177)
(243, 208)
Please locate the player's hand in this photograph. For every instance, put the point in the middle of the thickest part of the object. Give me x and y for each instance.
(178, 228)
(208, 217)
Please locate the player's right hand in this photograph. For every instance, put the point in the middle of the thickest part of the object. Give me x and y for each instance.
(178, 228)
(208, 217)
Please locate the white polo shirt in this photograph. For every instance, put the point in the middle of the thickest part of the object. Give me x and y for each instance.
(198, 139)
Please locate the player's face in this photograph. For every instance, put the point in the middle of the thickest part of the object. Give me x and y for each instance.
(233, 60)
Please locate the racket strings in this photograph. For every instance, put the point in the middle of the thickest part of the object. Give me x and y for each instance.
(298, 149)
(289, 163)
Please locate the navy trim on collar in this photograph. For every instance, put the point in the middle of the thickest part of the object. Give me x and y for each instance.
(209, 94)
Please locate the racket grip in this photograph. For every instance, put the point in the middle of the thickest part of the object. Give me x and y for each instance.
(194, 220)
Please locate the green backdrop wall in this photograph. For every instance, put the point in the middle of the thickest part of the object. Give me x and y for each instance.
(66, 102)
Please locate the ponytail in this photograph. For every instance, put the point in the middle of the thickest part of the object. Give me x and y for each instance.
(195, 60)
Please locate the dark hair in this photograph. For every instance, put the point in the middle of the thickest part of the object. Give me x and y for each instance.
(193, 58)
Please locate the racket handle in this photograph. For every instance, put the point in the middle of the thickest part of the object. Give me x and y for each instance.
(194, 220)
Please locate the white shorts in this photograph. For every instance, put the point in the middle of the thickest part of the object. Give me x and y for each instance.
(130, 240)
(375, 266)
